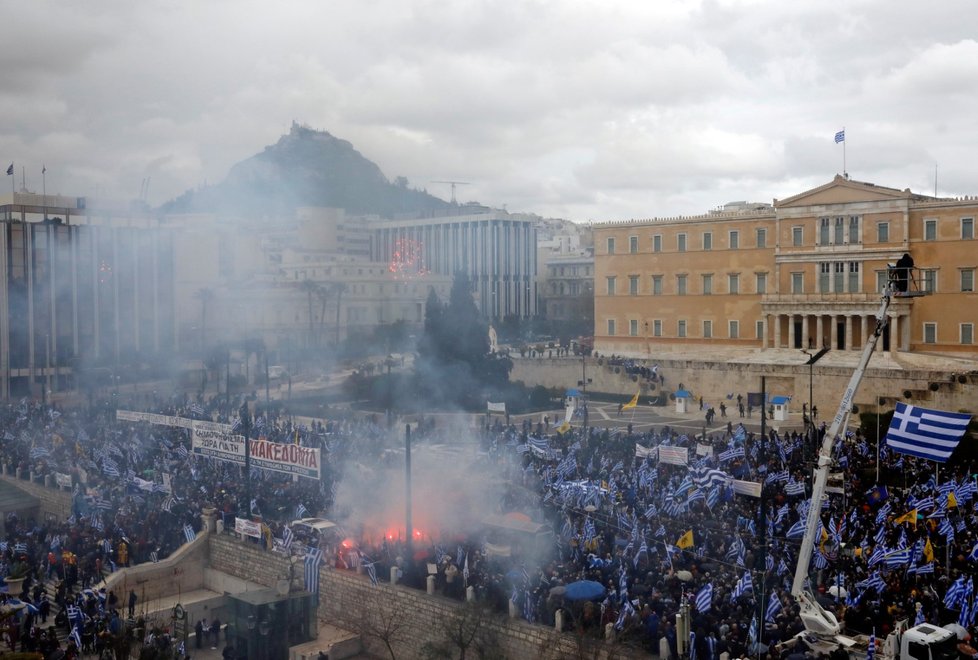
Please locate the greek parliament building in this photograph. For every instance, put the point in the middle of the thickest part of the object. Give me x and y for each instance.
(75, 294)
(803, 272)
(496, 249)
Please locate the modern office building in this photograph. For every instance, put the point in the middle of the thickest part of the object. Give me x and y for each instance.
(497, 250)
(74, 294)
(802, 272)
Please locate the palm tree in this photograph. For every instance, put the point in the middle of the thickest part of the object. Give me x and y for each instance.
(310, 288)
(339, 288)
(206, 297)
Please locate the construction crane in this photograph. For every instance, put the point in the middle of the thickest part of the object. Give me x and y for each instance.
(453, 184)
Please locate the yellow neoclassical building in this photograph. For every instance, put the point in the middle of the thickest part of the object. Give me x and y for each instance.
(803, 272)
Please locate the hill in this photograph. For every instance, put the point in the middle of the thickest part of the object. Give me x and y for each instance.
(307, 168)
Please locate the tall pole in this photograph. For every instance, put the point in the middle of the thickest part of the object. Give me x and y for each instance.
(409, 527)
(245, 427)
(266, 377)
(227, 382)
(44, 187)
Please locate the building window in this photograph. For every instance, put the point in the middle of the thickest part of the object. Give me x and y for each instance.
(707, 285)
(657, 243)
(707, 329)
(611, 246)
(633, 328)
(839, 234)
(797, 236)
(761, 235)
(611, 285)
(760, 282)
(733, 328)
(840, 272)
(734, 240)
(611, 327)
(633, 285)
(930, 230)
(853, 229)
(967, 228)
(930, 333)
(681, 242)
(798, 283)
(733, 283)
(824, 273)
(854, 277)
(759, 329)
(657, 328)
(968, 280)
(708, 240)
(681, 329)
(883, 232)
(882, 279)
(928, 280)
(824, 225)
(967, 333)
(680, 285)
(633, 244)
(657, 285)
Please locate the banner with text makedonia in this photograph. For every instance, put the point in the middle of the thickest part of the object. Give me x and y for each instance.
(224, 445)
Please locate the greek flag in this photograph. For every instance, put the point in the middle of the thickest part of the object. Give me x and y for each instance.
(744, 586)
(301, 511)
(196, 409)
(797, 530)
(947, 529)
(287, 537)
(181, 451)
(730, 454)
(154, 556)
(76, 637)
(167, 503)
(794, 488)
(372, 573)
(923, 569)
(871, 647)
(874, 582)
(955, 594)
(924, 433)
(312, 561)
(189, 533)
(924, 504)
(898, 558)
(704, 598)
(773, 607)
(840, 136)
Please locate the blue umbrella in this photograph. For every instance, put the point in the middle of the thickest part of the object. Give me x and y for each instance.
(584, 590)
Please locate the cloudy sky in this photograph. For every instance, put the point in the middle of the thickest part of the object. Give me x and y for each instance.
(582, 109)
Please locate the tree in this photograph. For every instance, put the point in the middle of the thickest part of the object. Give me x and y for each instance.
(310, 288)
(385, 623)
(465, 632)
(339, 289)
(324, 294)
(206, 297)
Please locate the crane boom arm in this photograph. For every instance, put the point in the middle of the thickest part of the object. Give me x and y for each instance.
(815, 618)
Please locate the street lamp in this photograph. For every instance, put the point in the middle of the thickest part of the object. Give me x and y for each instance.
(810, 420)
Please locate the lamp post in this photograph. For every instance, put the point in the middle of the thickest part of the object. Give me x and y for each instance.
(810, 421)
(245, 428)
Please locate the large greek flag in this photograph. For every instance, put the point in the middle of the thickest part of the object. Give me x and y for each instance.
(313, 559)
(930, 434)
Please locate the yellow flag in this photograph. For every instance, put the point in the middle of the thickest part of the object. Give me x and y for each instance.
(909, 516)
(632, 403)
(821, 541)
(685, 541)
(564, 428)
(928, 551)
(952, 501)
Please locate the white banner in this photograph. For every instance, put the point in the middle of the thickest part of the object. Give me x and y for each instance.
(674, 455)
(247, 527)
(284, 458)
(63, 480)
(496, 407)
(153, 418)
(704, 450)
(751, 488)
(645, 452)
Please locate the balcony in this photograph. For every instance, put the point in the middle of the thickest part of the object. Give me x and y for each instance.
(856, 303)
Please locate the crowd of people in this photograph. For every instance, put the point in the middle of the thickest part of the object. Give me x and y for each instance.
(662, 521)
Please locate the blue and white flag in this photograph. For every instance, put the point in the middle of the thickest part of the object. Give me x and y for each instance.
(794, 488)
(744, 586)
(312, 561)
(773, 607)
(287, 537)
(76, 638)
(924, 433)
(840, 136)
(300, 510)
(898, 558)
(189, 533)
(955, 594)
(704, 598)
(871, 647)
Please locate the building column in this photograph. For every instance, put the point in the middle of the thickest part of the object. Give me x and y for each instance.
(819, 332)
(764, 327)
(777, 330)
(791, 330)
(905, 333)
(848, 332)
(805, 336)
(864, 328)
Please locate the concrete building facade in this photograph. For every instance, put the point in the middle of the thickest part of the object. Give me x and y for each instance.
(802, 273)
(496, 249)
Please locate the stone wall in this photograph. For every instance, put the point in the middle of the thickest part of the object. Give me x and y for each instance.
(348, 600)
(52, 501)
(714, 380)
(181, 572)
